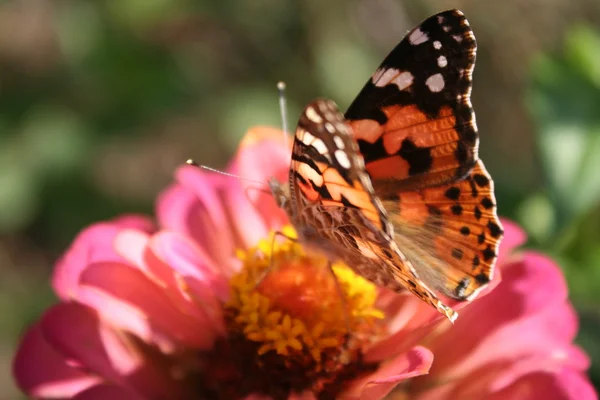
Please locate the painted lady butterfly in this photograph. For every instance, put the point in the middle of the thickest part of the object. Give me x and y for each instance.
(395, 188)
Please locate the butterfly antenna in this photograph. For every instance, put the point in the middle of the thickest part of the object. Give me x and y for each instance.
(283, 110)
(195, 164)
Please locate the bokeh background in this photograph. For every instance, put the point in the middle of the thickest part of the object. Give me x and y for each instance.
(101, 100)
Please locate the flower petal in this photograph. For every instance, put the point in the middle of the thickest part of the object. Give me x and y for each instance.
(91, 245)
(197, 288)
(186, 259)
(377, 385)
(43, 372)
(531, 325)
(261, 156)
(566, 384)
(194, 208)
(127, 298)
(78, 333)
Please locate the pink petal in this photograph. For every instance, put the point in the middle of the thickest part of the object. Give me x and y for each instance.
(76, 332)
(198, 288)
(104, 392)
(194, 207)
(567, 385)
(92, 245)
(544, 345)
(575, 385)
(537, 279)
(41, 371)
(261, 156)
(126, 297)
(186, 259)
(529, 305)
(377, 385)
(137, 222)
(168, 259)
(131, 245)
(68, 325)
(247, 200)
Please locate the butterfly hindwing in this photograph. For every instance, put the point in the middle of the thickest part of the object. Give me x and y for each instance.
(450, 233)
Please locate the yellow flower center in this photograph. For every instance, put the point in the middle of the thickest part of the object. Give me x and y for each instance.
(298, 312)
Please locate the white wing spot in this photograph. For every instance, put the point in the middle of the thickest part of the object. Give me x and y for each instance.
(417, 37)
(377, 75)
(446, 28)
(312, 115)
(404, 80)
(437, 45)
(440, 19)
(391, 75)
(306, 137)
(320, 146)
(458, 38)
(385, 76)
(442, 61)
(339, 142)
(329, 127)
(435, 83)
(342, 159)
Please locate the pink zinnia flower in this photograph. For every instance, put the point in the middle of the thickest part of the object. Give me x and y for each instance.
(207, 305)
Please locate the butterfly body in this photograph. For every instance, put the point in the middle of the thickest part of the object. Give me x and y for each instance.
(394, 188)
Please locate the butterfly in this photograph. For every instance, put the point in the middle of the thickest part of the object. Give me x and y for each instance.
(394, 187)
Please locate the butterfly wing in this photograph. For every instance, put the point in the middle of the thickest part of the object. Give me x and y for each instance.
(416, 130)
(324, 170)
(333, 206)
(450, 233)
(413, 119)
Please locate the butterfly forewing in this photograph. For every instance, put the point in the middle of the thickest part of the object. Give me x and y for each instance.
(325, 170)
(413, 119)
(415, 127)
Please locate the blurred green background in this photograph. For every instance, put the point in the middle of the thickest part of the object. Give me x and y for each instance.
(101, 100)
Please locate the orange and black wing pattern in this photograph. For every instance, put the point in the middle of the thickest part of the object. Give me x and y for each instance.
(413, 120)
(326, 170)
(415, 127)
(395, 188)
(333, 206)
